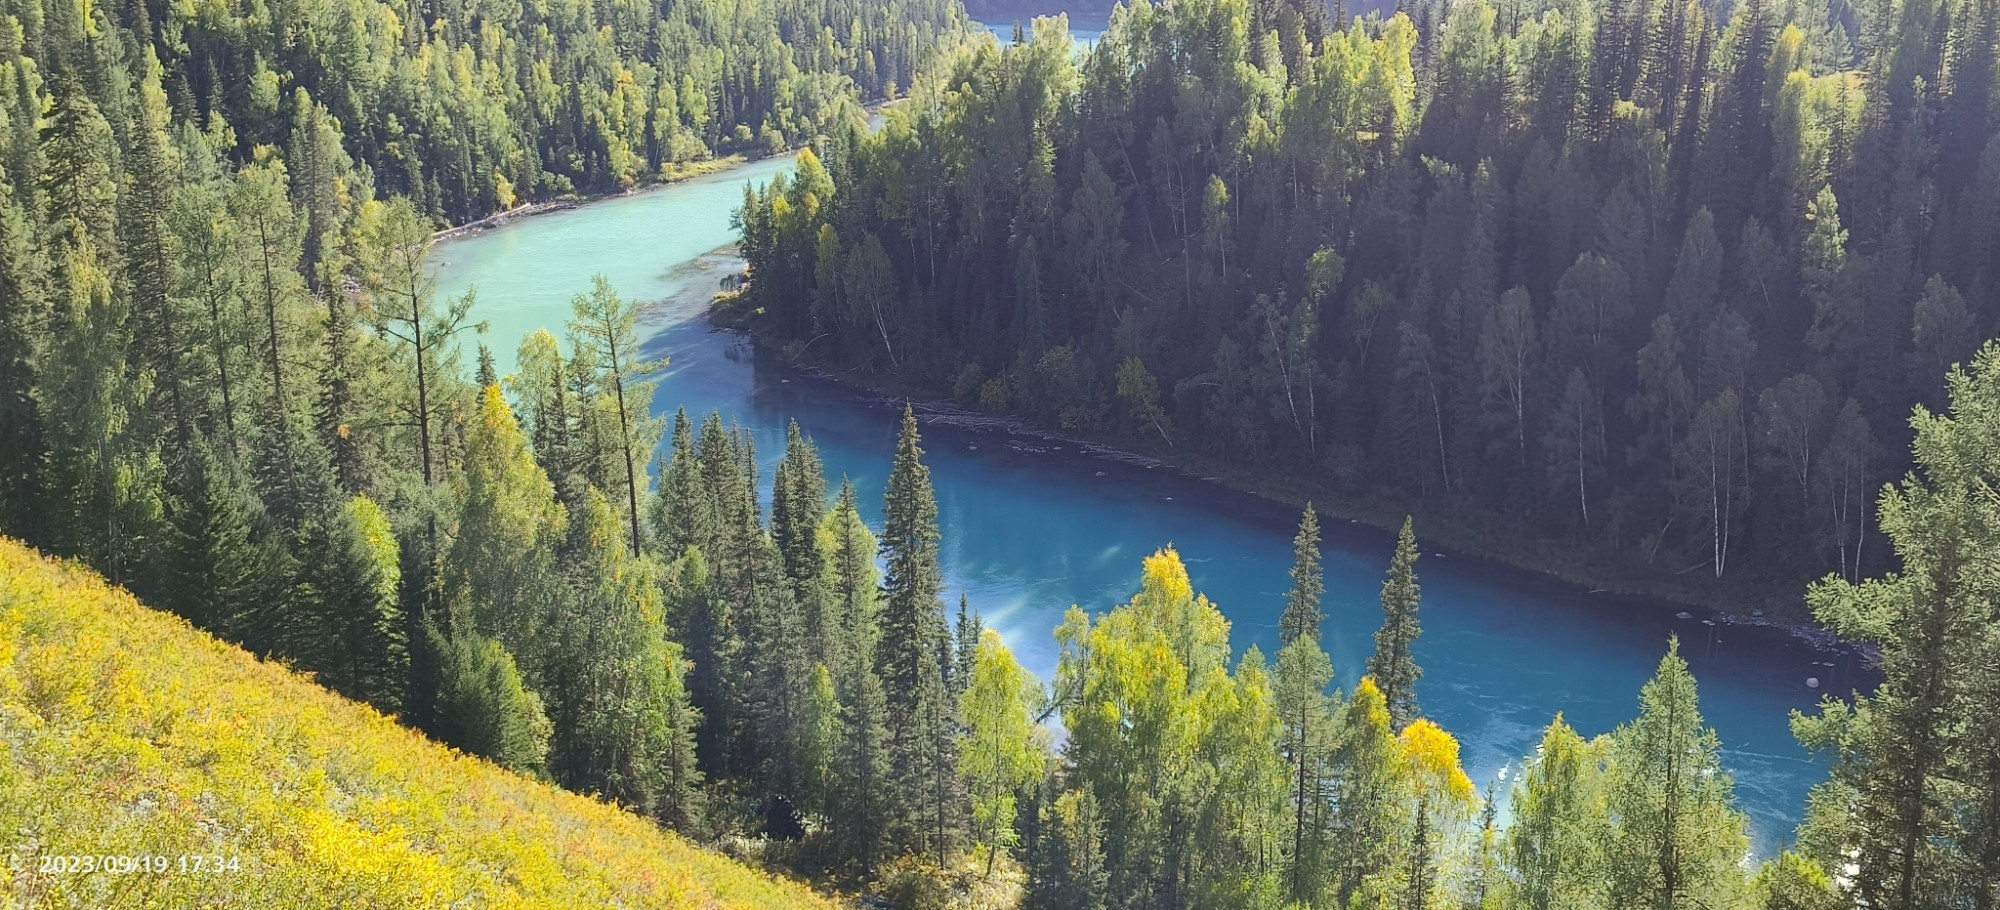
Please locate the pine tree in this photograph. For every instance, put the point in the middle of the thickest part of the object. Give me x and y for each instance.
(23, 315)
(860, 802)
(966, 633)
(338, 410)
(1303, 674)
(1069, 872)
(913, 638)
(798, 501)
(1393, 666)
(1677, 841)
(159, 331)
(616, 683)
(703, 622)
(1906, 774)
(683, 511)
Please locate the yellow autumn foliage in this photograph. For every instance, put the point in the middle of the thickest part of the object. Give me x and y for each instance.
(1431, 755)
(124, 732)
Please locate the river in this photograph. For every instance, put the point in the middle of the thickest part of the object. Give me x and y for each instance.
(1031, 526)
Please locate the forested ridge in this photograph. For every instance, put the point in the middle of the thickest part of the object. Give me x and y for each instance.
(1663, 277)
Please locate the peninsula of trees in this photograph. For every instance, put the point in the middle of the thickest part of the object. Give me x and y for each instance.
(1662, 277)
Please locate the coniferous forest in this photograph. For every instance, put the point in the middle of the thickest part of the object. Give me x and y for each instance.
(1663, 277)
(1701, 286)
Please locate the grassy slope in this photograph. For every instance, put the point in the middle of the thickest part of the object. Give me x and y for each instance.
(125, 731)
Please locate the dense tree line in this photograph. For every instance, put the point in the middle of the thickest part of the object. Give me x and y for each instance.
(1661, 276)
(470, 107)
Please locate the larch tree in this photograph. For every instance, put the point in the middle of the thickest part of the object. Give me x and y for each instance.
(606, 336)
(1556, 842)
(500, 570)
(1677, 840)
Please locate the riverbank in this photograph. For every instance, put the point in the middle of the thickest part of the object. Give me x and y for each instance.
(1443, 526)
(669, 175)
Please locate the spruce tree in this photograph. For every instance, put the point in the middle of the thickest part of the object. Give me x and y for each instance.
(1918, 760)
(23, 315)
(1303, 615)
(703, 622)
(352, 583)
(798, 501)
(1069, 872)
(483, 707)
(616, 680)
(910, 653)
(1392, 666)
(683, 512)
(966, 634)
(223, 563)
(1304, 671)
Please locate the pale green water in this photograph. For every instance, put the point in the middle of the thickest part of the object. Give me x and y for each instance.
(1031, 526)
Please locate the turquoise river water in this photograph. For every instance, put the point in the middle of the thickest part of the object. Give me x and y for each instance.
(1032, 526)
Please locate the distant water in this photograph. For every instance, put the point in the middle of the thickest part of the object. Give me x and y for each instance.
(1084, 29)
(1031, 527)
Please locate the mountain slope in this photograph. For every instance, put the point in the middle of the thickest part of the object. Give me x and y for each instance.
(124, 732)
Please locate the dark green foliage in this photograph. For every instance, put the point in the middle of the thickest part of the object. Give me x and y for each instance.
(1916, 759)
(483, 706)
(1425, 260)
(350, 581)
(912, 657)
(1393, 666)
(1303, 617)
(224, 565)
(1069, 872)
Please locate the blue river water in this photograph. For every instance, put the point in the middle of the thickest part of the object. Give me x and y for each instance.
(1033, 526)
(1084, 28)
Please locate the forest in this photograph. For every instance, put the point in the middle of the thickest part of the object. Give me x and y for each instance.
(229, 384)
(1661, 277)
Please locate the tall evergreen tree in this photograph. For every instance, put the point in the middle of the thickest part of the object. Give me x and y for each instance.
(1303, 615)
(909, 657)
(1922, 789)
(1393, 666)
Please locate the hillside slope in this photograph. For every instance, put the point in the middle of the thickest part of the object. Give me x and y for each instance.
(125, 732)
